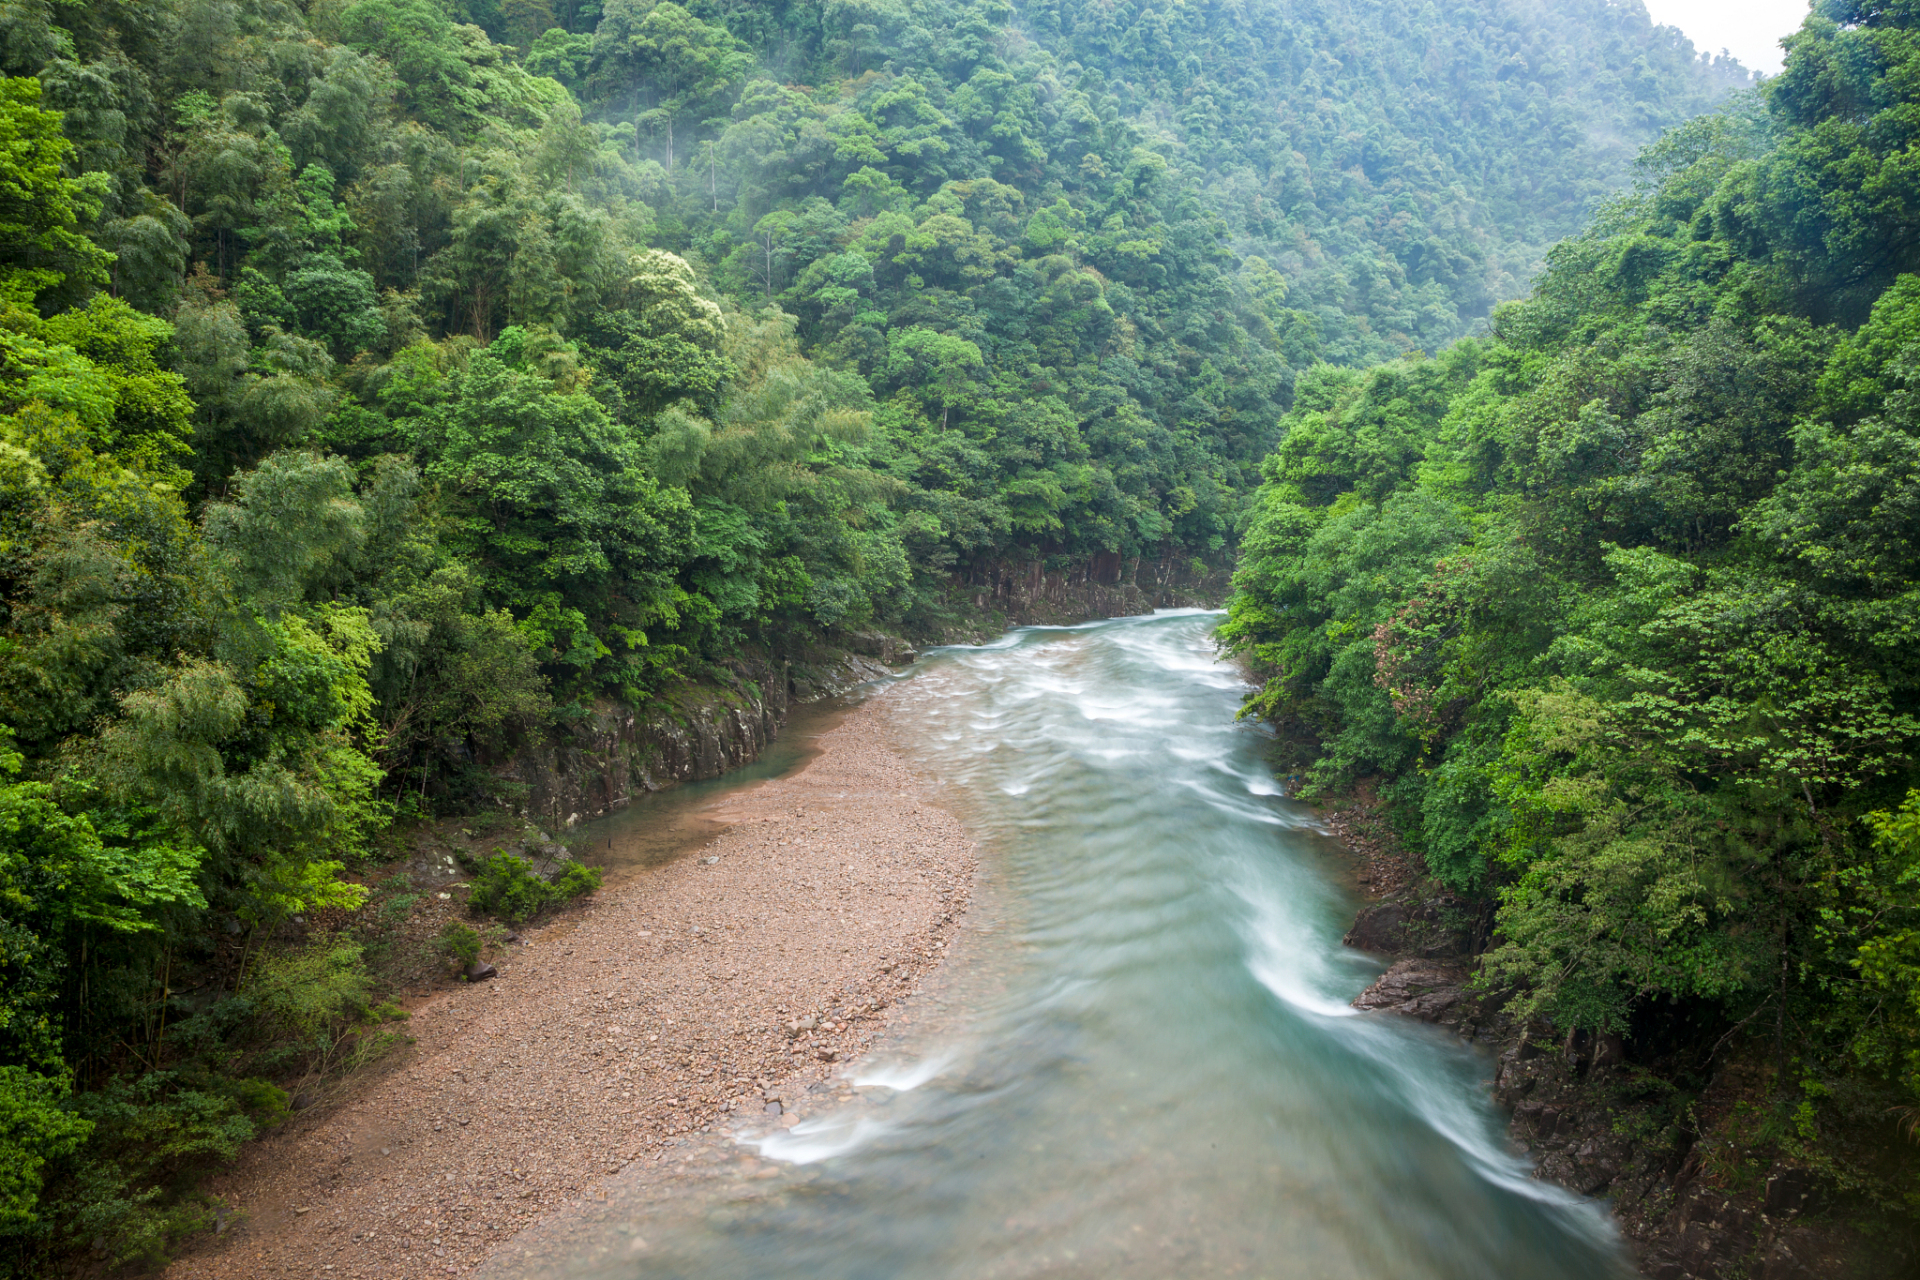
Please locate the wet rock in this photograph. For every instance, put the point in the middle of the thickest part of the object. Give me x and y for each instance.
(1415, 921)
(1378, 927)
(480, 971)
(773, 1108)
(1423, 989)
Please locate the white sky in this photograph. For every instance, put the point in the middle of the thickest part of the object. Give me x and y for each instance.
(1749, 29)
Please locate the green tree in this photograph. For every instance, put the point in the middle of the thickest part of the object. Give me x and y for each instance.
(41, 209)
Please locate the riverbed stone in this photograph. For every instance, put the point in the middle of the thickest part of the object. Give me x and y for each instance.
(1419, 988)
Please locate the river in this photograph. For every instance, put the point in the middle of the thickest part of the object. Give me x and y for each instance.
(1141, 1063)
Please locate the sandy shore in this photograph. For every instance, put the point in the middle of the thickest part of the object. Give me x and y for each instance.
(708, 988)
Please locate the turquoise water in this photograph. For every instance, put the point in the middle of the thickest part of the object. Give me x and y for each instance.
(1144, 1064)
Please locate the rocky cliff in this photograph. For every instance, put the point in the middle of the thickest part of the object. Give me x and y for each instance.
(600, 762)
(1009, 593)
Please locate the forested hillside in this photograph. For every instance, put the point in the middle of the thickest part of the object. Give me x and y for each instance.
(384, 382)
(1619, 605)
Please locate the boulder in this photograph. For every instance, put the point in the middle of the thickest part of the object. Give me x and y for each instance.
(1423, 989)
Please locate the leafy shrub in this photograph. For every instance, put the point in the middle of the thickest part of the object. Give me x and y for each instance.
(507, 887)
(313, 1009)
(460, 944)
(576, 880)
(129, 1194)
(36, 1127)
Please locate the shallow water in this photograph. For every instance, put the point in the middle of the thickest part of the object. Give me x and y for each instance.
(1143, 1063)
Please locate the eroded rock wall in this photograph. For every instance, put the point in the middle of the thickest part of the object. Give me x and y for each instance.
(1102, 586)
(615, 752)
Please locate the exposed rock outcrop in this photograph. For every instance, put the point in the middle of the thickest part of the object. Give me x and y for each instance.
(1425, 989)
(1026, 593)
(602, 761)
(1416, 921)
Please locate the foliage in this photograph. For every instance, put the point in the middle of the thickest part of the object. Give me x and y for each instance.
(1618, 603)
(35, 1128)
(508, 887)
(461, 945)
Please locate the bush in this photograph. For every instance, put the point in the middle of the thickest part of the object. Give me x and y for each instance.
(313, 1009)
(36, 1127)
(460, 944)
(130, 1192)
(507, 887)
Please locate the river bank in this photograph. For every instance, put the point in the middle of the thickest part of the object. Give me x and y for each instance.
(1652, 1127)
(714, 985)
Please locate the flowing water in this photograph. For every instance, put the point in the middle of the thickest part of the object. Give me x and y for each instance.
(1143, 1063)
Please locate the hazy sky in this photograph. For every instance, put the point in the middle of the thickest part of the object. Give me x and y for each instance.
(1749, 29)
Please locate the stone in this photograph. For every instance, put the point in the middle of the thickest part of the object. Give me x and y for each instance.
(1406, 923)
(773, 1108)
(480, 971)
(1609, 1050)
(1423, 989)
(1788, 1190)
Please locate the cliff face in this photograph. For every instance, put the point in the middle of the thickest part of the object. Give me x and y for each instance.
(1025, 593)
(602, 761)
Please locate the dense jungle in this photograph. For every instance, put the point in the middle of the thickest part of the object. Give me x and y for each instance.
(385, 385)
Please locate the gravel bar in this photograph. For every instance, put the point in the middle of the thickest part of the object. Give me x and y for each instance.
(706, 989)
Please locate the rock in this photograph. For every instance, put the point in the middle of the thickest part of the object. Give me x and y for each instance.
(1609, 1050)
(602, 762)
(1423, 989)
(1407, 922)
(300, 1101)
(1378, 927)
(773, 1108)
(1788, 1190)
(480, 971)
